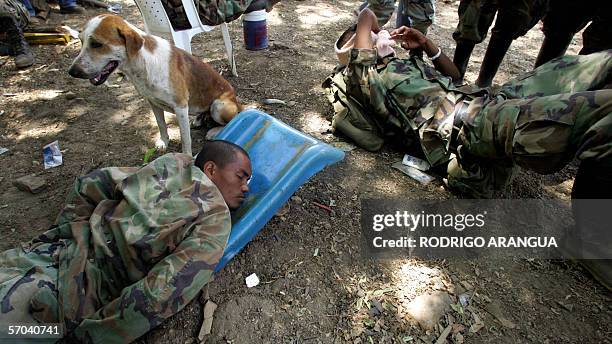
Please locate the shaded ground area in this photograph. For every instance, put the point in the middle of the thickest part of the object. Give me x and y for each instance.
(316, 285)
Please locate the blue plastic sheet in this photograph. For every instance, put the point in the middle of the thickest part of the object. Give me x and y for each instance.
(282, 158)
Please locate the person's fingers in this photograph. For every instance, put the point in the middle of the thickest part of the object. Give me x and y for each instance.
(399, 31)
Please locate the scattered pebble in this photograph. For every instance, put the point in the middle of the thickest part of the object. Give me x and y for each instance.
(30, 183)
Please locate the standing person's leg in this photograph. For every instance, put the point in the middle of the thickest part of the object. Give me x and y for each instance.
(383, 9)
(514, 19)
(14, 17)
(598, 35)
(475, 18)
(70, 7)
(562, 20)
(421, 14)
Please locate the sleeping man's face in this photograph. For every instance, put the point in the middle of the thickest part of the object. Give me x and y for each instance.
(231, 179)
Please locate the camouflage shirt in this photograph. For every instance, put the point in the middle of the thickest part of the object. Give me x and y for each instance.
(410, 96)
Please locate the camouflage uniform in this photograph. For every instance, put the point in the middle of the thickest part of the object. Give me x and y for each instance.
(539, 121)
(130, 248)
(14, 9)
(212, 12)
(514, 18)
(420, 12)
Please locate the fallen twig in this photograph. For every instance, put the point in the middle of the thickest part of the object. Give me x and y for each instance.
(322, 206)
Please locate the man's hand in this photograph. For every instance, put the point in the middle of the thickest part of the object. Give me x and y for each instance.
(408, 37)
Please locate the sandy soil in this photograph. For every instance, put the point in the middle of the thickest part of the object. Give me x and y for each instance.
(336, 295)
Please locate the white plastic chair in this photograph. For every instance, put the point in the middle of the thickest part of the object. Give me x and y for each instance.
(156, 21)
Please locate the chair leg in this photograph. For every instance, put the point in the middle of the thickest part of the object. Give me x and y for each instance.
(227, 41)
(182, 40)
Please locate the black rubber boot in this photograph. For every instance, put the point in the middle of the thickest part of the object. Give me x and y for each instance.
(498, 46)
(5, 49)
(21, 50)
(463, 51)
(551, 48)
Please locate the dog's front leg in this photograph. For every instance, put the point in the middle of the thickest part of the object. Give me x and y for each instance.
(182, 115)
(162, 142)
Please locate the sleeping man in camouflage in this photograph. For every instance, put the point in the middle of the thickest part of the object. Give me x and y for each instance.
(131, 247)
(539, 121)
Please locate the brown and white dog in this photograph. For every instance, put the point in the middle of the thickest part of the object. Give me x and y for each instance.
(167, 77)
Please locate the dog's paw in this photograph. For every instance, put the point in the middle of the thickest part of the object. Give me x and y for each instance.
(161, 145)
(212, 133)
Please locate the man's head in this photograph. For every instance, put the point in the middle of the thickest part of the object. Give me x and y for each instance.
(229, 167)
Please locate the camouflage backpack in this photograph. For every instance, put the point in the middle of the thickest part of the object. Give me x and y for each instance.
(350, 116)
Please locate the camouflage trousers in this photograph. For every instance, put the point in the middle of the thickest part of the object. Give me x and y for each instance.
(514, 18)
(539, 121)
(15, 9)
(211, 12)
(567, 17)
(420, 12)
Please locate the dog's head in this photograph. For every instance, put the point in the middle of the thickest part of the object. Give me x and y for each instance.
(107, 42)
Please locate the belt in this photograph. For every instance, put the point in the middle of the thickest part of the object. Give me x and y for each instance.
(459, 113)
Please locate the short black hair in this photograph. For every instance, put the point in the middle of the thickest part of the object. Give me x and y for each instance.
(220, 152)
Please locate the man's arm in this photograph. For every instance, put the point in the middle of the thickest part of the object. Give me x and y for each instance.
(168, 287)
(411, 39)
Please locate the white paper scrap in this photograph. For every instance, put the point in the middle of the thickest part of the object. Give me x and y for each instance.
(252, 280)
(413, 173)
(415, 162)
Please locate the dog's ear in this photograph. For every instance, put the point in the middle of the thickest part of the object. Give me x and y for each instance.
(133, 41)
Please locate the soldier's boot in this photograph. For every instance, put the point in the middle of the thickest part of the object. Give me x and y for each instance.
(498, 46)
(20, 48)
(5, 49)
(463, 51)
(589, 238)
(551, 48)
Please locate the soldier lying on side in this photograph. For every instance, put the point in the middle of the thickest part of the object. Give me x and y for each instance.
(131, 247)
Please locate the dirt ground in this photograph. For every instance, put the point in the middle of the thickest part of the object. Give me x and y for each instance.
(316, 286)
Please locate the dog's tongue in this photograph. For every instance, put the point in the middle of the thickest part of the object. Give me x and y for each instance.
(96, 79)
(100, 78)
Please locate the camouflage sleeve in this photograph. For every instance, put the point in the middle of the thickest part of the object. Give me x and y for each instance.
(170, 285)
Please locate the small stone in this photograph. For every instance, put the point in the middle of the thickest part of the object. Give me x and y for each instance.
(30, 183)
(291, 103)
(427, 309)
(283, 210)
(70, 95)
(296, 199)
